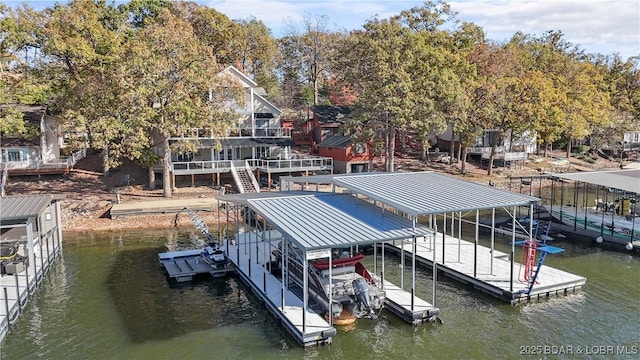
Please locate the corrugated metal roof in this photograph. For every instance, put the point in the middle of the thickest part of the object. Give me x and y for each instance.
(627, 180)
(24, 207)
(323, 220)
(420, 193)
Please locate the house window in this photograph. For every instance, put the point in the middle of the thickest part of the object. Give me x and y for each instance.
(262, 152)
(185, 157)
(14, 155)
(359, 148)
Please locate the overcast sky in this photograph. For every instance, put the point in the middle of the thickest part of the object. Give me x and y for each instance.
(597, 26)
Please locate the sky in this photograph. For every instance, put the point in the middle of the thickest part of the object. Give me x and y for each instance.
(596, 26)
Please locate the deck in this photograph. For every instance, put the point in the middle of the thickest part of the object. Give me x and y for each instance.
(490, 272)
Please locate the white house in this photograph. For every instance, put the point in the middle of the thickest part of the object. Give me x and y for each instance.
(257, 142)
(40, 154)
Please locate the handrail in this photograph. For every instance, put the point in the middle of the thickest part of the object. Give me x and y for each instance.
(5, 175)
(254, 181)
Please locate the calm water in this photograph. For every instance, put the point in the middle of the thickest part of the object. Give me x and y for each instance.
(106, 298)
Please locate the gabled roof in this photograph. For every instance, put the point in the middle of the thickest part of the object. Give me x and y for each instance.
(31, 113)
(247, 81)
(336, 141)
(328, 114)
(262, 98)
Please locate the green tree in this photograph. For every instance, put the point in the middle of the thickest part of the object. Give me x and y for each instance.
(170, 73)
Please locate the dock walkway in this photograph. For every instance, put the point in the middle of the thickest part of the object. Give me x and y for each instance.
(165, 206)
(487, 271)
(306, 326)
(15, 289)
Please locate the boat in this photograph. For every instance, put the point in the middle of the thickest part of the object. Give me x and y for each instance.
(355, 293)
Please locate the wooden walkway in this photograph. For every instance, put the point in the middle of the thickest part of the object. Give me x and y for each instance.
(490, 272)
(164, 206)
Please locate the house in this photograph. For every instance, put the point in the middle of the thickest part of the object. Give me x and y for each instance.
(511, 148)
(326, 121)
(40, 153)
(347, 157)
(257, 142)
(631, 141)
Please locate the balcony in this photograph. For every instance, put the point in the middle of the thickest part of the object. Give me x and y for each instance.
(296, 163)
(241, 132)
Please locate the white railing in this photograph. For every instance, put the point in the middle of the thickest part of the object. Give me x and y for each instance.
(299, 162)
(221, 165)
(254, 181)
(241, 132)
(64, 163)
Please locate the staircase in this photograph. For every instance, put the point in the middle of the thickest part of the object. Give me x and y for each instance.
(245, 180)
(5, 175)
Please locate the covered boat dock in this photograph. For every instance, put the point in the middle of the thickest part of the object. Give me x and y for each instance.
(440, 200)
(30, 240)
(599, 206)
(316, 223)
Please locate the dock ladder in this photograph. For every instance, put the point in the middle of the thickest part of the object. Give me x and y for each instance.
(530, 248)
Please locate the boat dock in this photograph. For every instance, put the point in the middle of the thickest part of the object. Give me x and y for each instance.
(490, 272)
(249, 260)
(184, 265)
(36, 232)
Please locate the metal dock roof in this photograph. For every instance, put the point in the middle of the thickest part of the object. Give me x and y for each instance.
(421, 193)
(627, 180)
(324, 220)
(23, 207)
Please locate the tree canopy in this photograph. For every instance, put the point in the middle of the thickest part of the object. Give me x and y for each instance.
(134, 75)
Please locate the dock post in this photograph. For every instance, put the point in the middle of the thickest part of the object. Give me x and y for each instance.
(513, 247)
(249, 263)
(264, 281)
(305, 292)
(382, 272)
(493, 236)
(413, 268)
(18, 293)
(444, 233)
(475, 246)
(6, 305)
(459, 233)
(375, 258)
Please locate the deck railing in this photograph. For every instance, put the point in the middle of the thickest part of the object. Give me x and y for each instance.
(61, 164)
(296, 162)
(240, 132)
(304, 161)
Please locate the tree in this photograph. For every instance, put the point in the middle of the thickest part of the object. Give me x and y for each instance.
(306, 57)
(399, 68)
(170, 73)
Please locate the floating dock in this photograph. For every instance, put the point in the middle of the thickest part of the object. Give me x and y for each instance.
(307, 327)
(490, 272)
(34, 223)
(184, 265)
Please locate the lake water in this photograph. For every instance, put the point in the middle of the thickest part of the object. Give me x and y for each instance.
(107, 298)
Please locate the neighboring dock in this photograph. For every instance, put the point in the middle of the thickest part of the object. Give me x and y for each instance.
(489, 272)
(33, 224)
